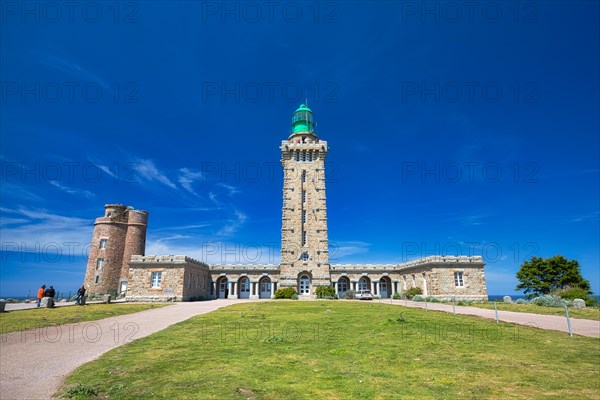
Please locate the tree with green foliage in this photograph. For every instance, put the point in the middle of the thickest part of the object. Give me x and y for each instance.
(325, 292)
(540, 276)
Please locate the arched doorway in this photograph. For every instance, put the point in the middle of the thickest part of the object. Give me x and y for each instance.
(343, 285)
(244, 285)
(265, 288)
(364, 283)
(304, 285)
(222, 290)
(385, 288)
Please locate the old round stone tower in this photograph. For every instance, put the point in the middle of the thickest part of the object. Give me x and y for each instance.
(118, 235)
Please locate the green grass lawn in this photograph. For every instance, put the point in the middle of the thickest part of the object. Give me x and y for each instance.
(342, 350)
(20, 320)
(584, 313)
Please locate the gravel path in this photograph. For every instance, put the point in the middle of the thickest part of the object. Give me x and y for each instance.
(34, 363)
(583, 327)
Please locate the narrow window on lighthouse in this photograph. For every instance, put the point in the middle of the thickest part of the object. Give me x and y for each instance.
(303, 216)
(303, 176)
(303, 238)
(304, 196)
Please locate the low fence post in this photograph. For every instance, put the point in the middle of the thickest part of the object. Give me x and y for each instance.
(568, 321)
(453, 306)
(496, 311)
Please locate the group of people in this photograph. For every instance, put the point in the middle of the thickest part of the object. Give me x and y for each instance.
(50, 292)
(45, 292)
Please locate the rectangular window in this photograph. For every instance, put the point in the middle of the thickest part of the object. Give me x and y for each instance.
(458, 279)
(303, 238)
(303, 176)
(297, 156)
(304, 196)
(190, 281)
(97, 279)
(99, 263)
(102, 244)
(310, 156)
(303, 216)
(304, 156)
(156, 279)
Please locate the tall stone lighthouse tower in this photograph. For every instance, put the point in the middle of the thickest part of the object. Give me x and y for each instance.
(304, 238)
(118, 235)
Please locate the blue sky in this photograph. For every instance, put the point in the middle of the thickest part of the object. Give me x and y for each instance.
(451, 130)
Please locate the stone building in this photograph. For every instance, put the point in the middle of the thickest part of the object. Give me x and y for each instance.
(117, 263)
(118, 235)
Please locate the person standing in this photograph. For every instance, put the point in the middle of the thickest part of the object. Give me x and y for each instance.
(40, 295)
(80, 294)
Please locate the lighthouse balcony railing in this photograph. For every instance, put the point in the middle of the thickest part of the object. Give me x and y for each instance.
(292, 145)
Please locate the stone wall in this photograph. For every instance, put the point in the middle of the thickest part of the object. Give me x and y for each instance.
(230, 277)
(182, 279)
(434, 275)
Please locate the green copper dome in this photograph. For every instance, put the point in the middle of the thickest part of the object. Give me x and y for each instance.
(302, 121)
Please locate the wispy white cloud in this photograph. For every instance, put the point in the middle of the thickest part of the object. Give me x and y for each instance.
(37, 229)
(70, 190)
(216, 252)
(183, 227)
(17, 192)
(73, 69)
(344, 249)
(234, 224)
(148, 171)
(586, 217)
(102, 167)
(187, 177)
(231, 190)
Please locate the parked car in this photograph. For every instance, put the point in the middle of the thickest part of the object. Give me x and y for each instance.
(364, 295)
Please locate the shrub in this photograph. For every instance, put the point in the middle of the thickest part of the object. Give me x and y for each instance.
(294, 296)
(376, 296)
(413, 291)
(418, 297)
(350, 294)
(465, 302)
(325, 292)
(571, 293)
(285, 293)
(521, 301)
(397, 296)
(400, 319)
(590, 301)
(81, 390)
(549, 301)
(507, 299)
(576, 293)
